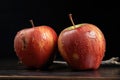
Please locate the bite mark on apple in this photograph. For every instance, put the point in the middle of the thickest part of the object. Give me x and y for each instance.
(24, 43)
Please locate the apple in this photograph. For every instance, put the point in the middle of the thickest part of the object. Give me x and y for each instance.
(82, 46)
(35, 46)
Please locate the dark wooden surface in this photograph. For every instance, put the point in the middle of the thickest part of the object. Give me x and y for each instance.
(11, 70)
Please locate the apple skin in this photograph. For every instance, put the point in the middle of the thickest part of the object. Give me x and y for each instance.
(35, 46)
(82, 46)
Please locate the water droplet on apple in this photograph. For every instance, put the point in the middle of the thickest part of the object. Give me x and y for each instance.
(91, 34)
(44, 36)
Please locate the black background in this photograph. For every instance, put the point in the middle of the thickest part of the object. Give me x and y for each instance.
(15, 15)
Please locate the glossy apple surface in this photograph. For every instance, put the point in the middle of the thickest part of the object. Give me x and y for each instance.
(82, 46)
(35, 46)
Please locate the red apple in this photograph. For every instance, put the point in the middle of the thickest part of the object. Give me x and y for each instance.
(82, 46)
(35, 46)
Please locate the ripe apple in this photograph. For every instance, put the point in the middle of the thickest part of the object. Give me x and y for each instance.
(82, 46)
(35, 46)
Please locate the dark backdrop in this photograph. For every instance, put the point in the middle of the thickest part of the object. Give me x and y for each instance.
(15, 15)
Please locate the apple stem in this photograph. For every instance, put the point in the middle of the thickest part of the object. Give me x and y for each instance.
(31, 21)
(70, 16)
